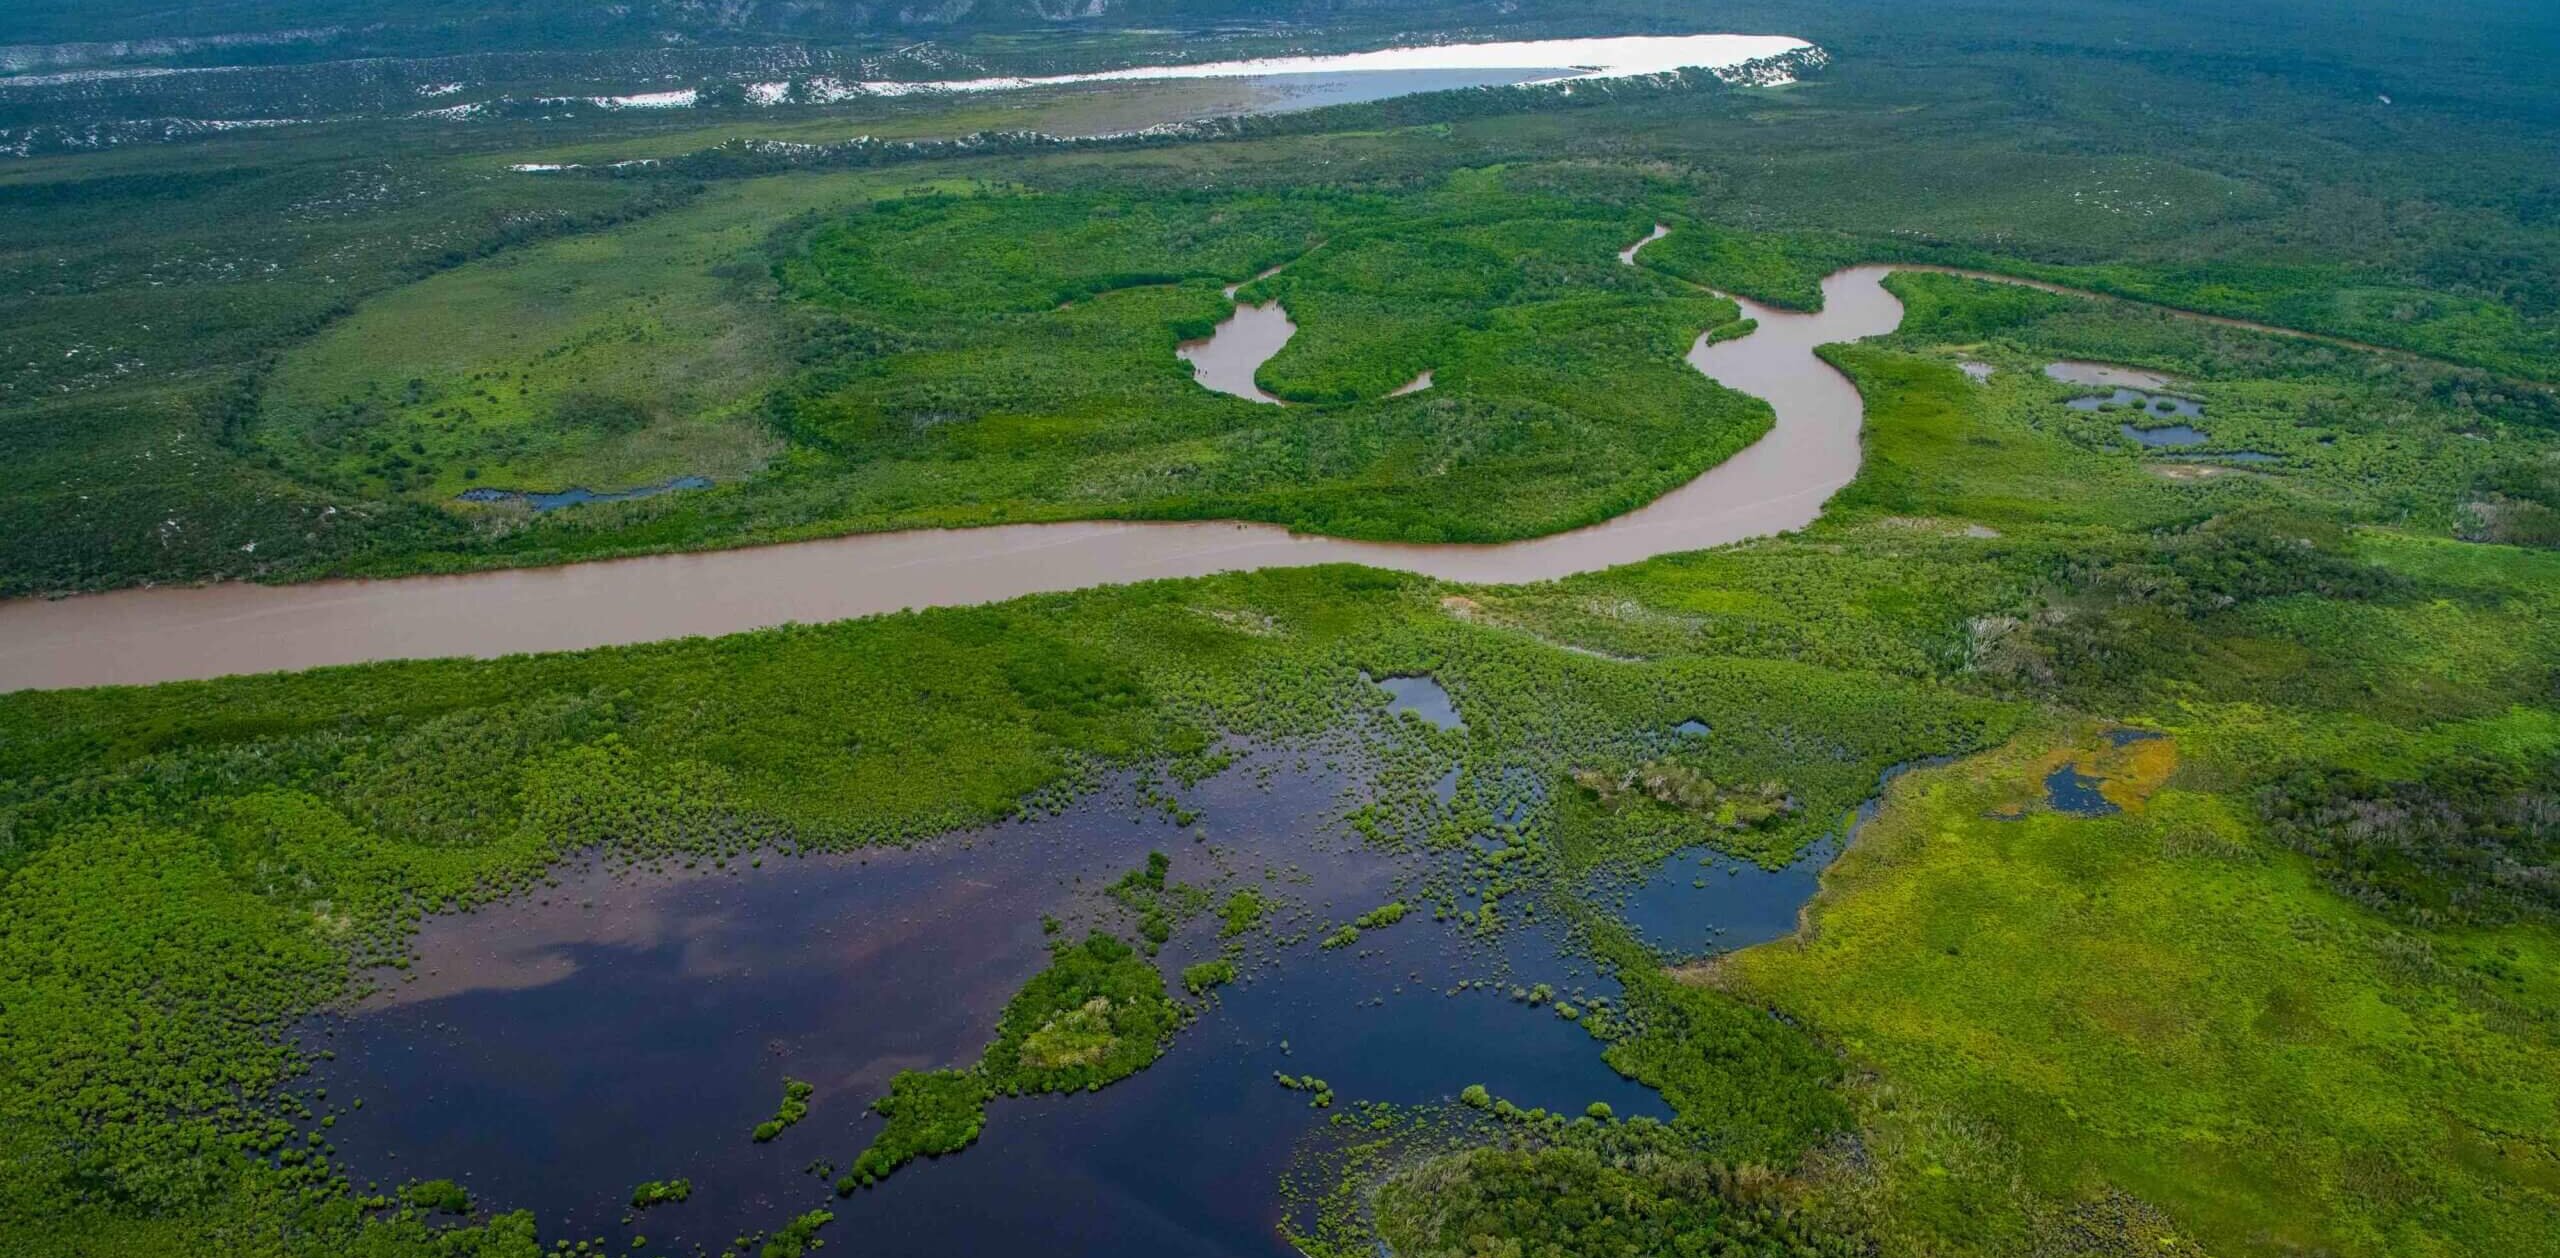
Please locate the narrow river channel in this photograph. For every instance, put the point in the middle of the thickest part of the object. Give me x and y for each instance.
(139, 637)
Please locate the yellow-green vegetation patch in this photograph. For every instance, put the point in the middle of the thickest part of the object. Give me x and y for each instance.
(605, 361)
(2159, 1002)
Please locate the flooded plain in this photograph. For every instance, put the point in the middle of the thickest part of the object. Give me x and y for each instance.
(555, 1051)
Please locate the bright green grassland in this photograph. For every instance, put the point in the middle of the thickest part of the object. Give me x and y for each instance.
(1011, 357)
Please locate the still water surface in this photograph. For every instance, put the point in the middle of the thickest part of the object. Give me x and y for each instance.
(554, 1052)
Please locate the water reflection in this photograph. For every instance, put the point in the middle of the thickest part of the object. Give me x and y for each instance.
(556, 1051)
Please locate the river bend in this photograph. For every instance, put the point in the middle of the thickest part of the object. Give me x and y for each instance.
(144, 636)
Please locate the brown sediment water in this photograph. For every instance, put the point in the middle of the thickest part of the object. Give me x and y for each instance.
(1628, 254)
(1226, 360)
(133, 637)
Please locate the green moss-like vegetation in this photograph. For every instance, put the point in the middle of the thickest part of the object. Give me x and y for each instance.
(1201, 978)
(438, 1196)
(661, 1192)
(1243, 912)
(794, 1107)
(1098, 1013)
(1573, 1202)
(929, 1113)
(798, 1237)
(1383, 916)
(2267, 621)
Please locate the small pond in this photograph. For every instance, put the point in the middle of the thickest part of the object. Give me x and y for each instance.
(1227, 360)
(2067, 790)
(2104, 375)
(2159, 404)
(1423, 696)
(575, 496)
(2166, 437)
(1699, 901)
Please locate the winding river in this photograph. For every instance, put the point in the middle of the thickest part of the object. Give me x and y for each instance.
(144, 636)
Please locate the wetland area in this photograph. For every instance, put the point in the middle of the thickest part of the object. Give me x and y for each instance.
(1184, 629)
(616, 1027)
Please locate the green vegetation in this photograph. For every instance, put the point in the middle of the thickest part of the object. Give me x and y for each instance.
(798, 1237)
(2297, 994)
(1566, 1201)
(1243, 913)
(1160, 906)
(1201, 978)
(2279, 625)
(1383, 916)
(929, 1113)
(1096, 1015)
(440, 1196)
(660, 1192)
(2130, 988)
(2184, 154)
(794, 1107)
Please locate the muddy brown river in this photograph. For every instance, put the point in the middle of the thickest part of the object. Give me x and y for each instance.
(134, 637)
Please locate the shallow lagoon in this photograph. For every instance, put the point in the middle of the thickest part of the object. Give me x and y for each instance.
(554, 1052)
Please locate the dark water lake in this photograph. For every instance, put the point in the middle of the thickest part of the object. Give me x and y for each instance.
(2068, 790)
(2150, 403)
(555, 1051)
(1699, 901)
(574, 496)
(2169, 437)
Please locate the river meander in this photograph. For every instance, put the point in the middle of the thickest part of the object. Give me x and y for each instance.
(135, 637)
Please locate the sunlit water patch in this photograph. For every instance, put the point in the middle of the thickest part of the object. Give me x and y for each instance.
(553, 1053)
(1423, 67)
